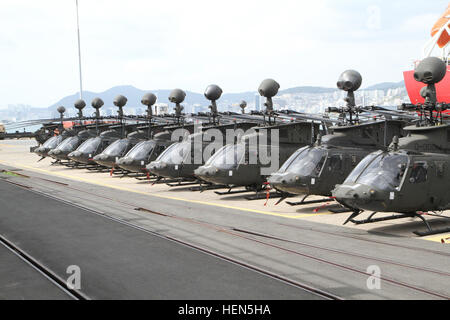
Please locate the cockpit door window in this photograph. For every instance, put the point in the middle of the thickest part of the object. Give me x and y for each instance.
(335, 164)
(419, 172)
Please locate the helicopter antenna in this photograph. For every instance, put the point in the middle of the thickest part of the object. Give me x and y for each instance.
(79, 52)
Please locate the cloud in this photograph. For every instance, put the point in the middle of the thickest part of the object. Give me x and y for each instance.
(190, 44)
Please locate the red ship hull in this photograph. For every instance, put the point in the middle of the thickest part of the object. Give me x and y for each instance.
(413, 87)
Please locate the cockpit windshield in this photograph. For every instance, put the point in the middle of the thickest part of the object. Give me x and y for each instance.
(117, 148)
(69, 144)
(289, 161)
(309, 162)
(360, 167)
(228, 157)
(142, 150)
(176, 153)
(385, 172)
(90, 146)
(52, 142)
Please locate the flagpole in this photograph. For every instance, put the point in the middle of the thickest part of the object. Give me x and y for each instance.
(79, 52)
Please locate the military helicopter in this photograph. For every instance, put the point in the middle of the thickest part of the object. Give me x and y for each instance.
(77, 135)
(87, 150)
(54, 141)
(413, 175)
(181, 159)
(316, 169)
(63, 141)
(158, 137)
(120, 147)
(241, 164)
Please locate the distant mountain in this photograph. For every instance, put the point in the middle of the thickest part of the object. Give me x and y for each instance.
(299, 90)
(386, 86)
(134, 95)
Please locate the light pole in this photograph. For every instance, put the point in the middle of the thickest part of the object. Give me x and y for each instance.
(79, 52)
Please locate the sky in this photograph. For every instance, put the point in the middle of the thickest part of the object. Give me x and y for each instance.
(191, 44)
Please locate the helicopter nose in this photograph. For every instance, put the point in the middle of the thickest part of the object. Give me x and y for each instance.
(153, 166)
(201, 171)
(76, 155)
(355, 195)
(126, 161)
(283, 179)
(205, 171)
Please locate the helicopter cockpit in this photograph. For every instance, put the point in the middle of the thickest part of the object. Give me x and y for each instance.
(64, 148)
(176, 153)
(378, 182)
(112, 152)
(384, 171)
(117, 148)
(86, 150)
(142, 150)
(227, 158)
(50, 144)
(308, 162)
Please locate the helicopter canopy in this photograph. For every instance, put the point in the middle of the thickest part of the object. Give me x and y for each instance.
(90, 145)
(142, 150)
(307, 162)
(52, 142)
(381, 170)
(229, 157)
(117, 148)
(176, 153)
(69, 144)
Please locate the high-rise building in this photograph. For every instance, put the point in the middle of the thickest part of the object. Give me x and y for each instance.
(257, 102)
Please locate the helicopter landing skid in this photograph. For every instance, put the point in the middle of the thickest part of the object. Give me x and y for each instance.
(429, 231)
(370, 219)
(232, 192)
(340, 210)
(308, 202)
(182, 183)
(206, 187)
(263, 196)
(143, 177)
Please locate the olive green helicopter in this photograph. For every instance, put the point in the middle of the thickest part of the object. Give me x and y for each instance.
(412, 177)
(316, 169)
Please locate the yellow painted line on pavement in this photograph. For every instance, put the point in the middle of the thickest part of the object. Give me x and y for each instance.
(7, 145)
(445, 238)
(96, 182)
